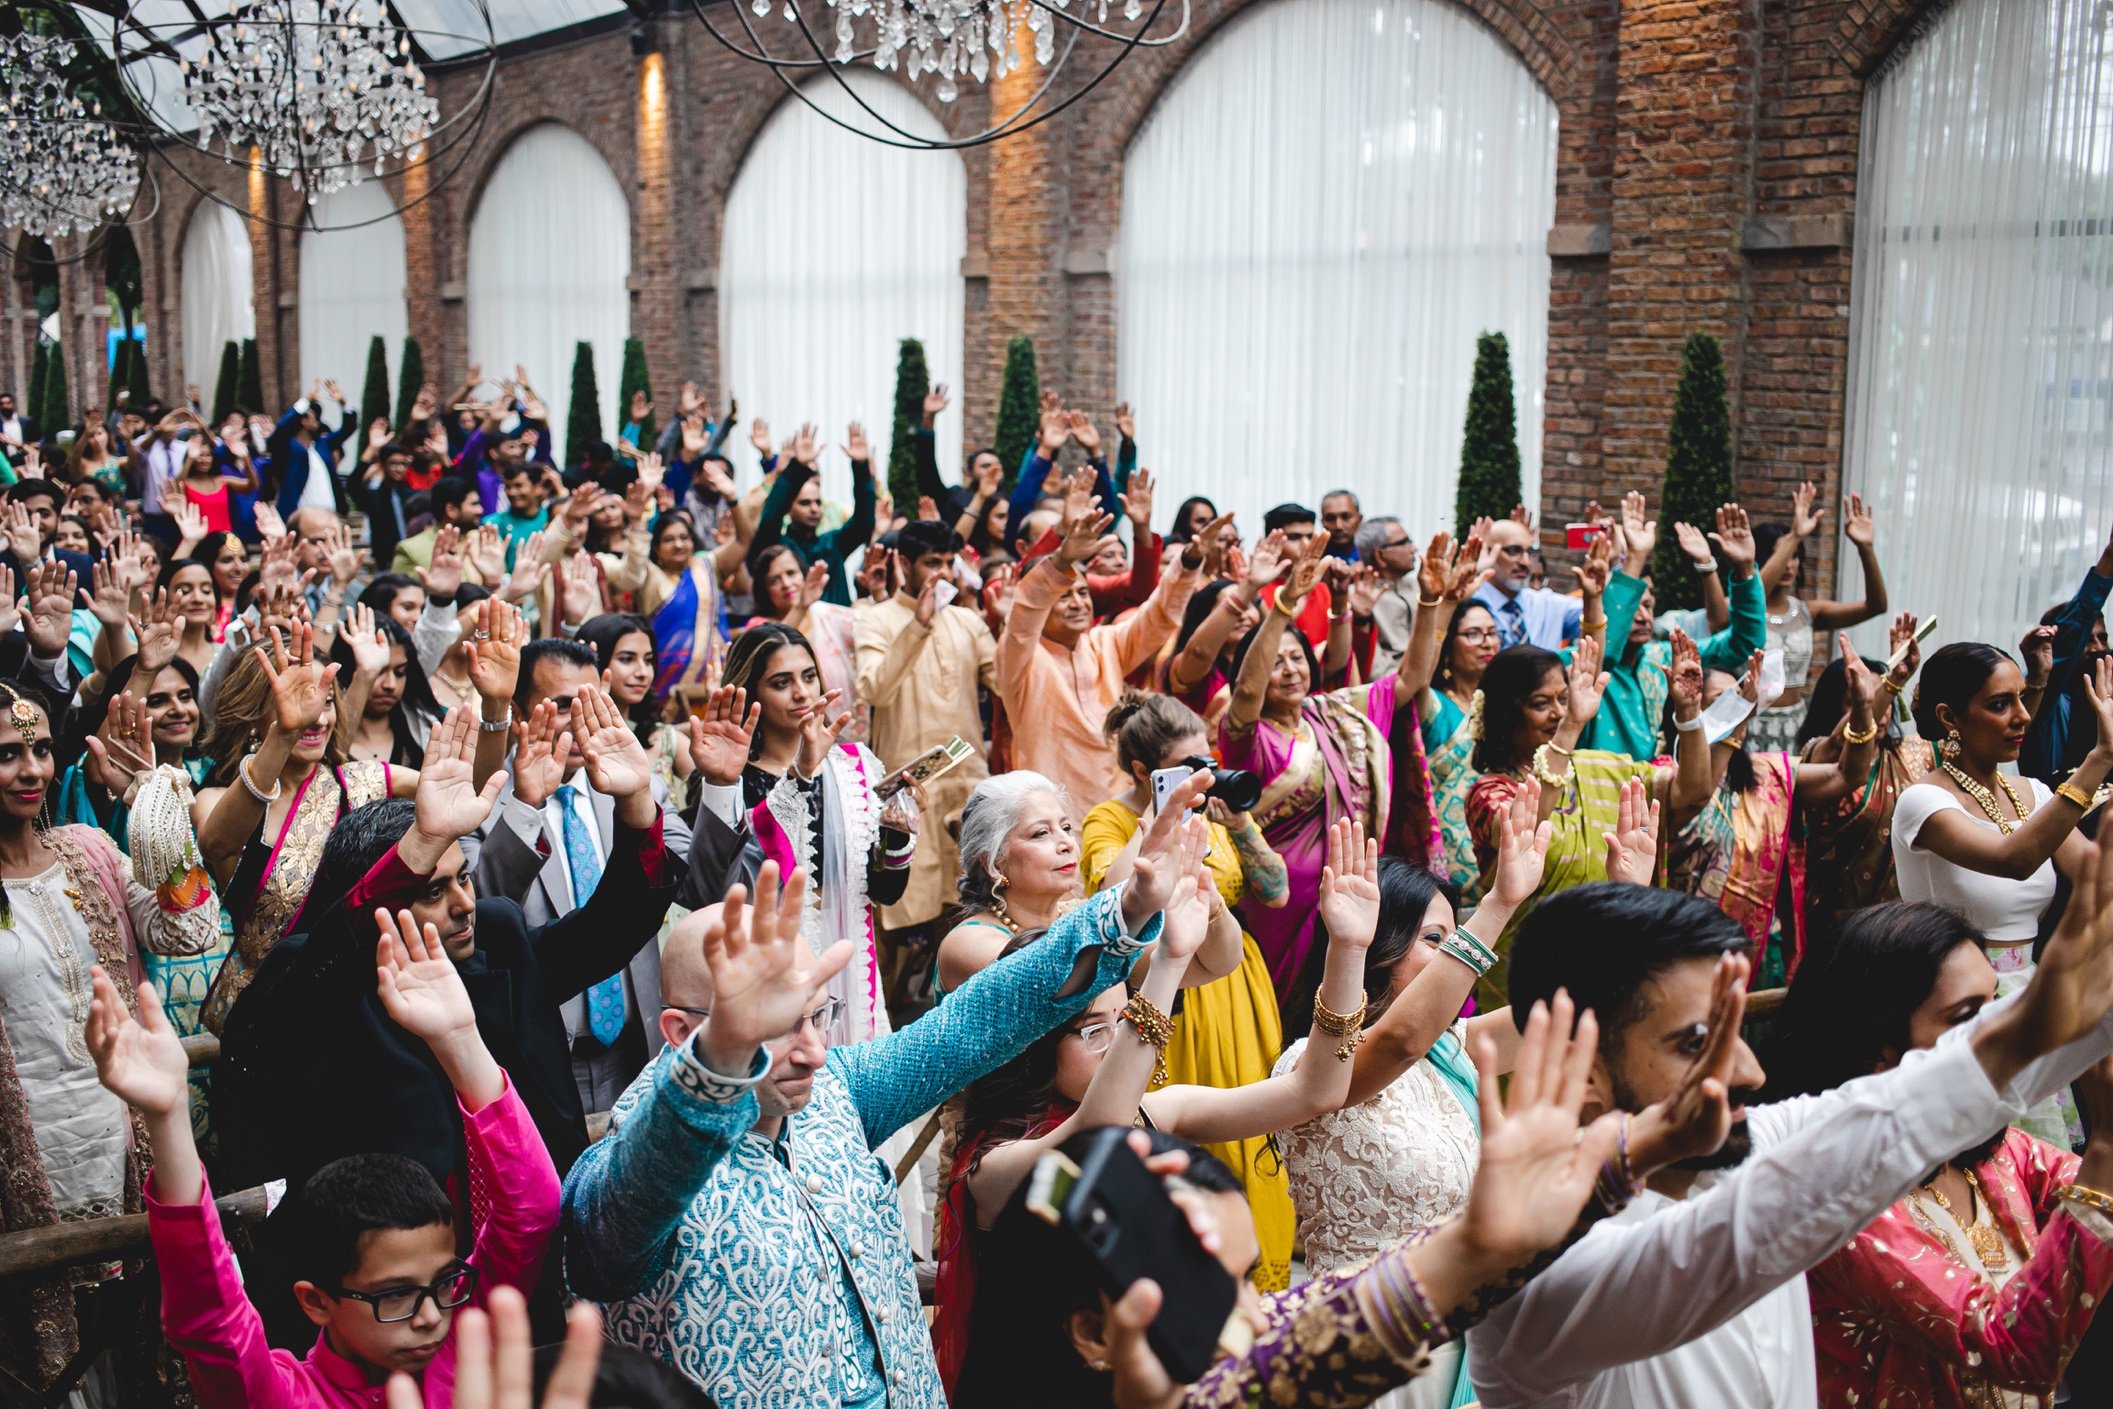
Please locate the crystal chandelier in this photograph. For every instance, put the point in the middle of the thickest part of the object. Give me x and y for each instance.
(323, 89)
(63, 167)
(950, 40)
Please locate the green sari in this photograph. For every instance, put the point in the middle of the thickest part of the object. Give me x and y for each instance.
(1588, 807)
(1449, 749)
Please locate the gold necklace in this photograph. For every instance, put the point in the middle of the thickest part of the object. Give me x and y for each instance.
(1987, 1241)
(1987, 799)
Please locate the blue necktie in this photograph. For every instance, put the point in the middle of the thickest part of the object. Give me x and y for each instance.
(605, 1000)
(1514, 622)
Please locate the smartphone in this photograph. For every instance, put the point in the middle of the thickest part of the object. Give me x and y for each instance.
(1579, 536)
(1124, 1219)
(944, 593)
(1164, 781)
(1922, 633)
(925, 767)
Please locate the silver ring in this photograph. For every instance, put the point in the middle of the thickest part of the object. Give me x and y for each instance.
(481, 636)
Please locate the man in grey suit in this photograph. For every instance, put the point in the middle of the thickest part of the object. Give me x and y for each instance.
(547, 841)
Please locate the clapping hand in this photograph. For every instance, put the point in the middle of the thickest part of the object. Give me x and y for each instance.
(721, 737)
(1350, 886)
(1632, 847)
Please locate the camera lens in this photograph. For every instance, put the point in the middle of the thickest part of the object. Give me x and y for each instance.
(1237, 788)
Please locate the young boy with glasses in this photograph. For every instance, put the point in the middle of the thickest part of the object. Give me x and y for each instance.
(379, 1272)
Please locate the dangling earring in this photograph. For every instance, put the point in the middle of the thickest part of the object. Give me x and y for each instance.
(997, 904)
(1949, 745)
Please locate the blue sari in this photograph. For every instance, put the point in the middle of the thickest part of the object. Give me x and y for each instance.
(685, 629)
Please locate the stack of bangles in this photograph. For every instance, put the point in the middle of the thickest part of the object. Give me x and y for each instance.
(1469, 951)
(1350, 1027)
(1152, 1027)
(1395, 1299)
(894, 858)
(1617, 1182)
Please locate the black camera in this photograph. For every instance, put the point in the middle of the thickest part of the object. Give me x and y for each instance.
(1235, 787)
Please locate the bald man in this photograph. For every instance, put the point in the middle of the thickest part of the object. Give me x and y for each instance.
(1525, 614)
(735, 1218)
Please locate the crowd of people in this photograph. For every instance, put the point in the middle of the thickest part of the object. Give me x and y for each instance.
(729, 914)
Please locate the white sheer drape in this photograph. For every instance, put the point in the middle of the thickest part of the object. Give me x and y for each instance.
(550, 250)
(352, 287)
(217, 292)
(1980, 418)
(1324, 212)
(836, 249)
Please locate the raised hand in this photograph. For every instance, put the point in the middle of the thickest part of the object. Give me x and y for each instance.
(158, 637)
(1306, 572)
(343, 554)
(764, 977)
(1137, 503)
(443, 575)
(928, 600)
(486, 552)
(494, 649)
(10, 604)
(1863, 684)
(1125, 422)
(581, 589)
(935, 401)
(1804, 517)
(1162, 855)
(270, 526)
(530, 571)
(988, 478)
(190, 527)
(616, 761)
(140, 1061)
(807, 445)
(1695, 1119)
(1350, 886)
(721, 737)
(856, 448)
(1632, 847)
(759, 436)
(1684, 675)
(1366, 588)
(52, 590)
(652, 470)
(124, 747)
(815, 584)
(540, 755)
(333, 391)
(579, 505)
(1598, 567)
(1082, 430)
(1587, 681)
(2036, 650)
(1734, 536)
(449, 804)
(1902, 636)
(818, 735)
(110, 590)
(300, 684)
(1522, 847)
(417, 983)
(1082, 536)
(496, 1362)
(1536, 1168)
(1693, 542)
(1641, 533)
(370, 649)
(873, 573)
(23, 537)
(1055, 425)
(1858, 525)
(2098, 688)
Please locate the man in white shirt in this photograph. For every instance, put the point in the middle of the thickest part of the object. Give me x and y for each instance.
(1694, 1297)
(17, 431)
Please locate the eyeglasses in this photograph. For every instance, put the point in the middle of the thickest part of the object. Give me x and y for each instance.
(821, 1019)
(1477, 633)
(1095, 1037)
(1514, 550)
(1395, 543)
(402, 1303)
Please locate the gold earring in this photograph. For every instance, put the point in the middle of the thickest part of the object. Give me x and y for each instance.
(1949, 745)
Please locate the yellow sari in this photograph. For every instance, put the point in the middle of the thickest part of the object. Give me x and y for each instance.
(1228, 1034)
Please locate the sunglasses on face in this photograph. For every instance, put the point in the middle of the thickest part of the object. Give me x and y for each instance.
(401, 1303)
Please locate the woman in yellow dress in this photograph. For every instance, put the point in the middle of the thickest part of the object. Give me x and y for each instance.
(1226, 1032)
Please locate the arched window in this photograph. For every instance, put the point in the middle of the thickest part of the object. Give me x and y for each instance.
(837, 248)
(217, 306)
(550, 251)
(352, 287)
(1331, 202)
(1980, 413)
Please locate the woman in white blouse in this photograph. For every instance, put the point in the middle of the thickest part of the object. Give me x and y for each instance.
(1402, 1151)
(1983, 842)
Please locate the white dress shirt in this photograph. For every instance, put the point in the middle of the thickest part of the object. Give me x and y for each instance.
(1701, 1302)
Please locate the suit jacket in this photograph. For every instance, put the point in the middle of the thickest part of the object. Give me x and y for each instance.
(504, 862)
(291, 459)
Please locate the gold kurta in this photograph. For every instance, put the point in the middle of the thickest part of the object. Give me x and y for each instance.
(921, 683)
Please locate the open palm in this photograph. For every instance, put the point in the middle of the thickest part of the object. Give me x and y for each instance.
(140, 1061)
(449, 803)
(1350, 886)
(417, 982)
(720, 740)
(616, 761)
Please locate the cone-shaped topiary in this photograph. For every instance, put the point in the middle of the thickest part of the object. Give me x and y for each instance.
(229, 382)
(912, 381)
(374, 391)
(32, 402)
(1019, 409)
(1698, 475)
(635, 378)
(583, 419)
(136, 373)
(120, 367)
(249, 386)
(1489, 446)
(410, 376)
(57, 410)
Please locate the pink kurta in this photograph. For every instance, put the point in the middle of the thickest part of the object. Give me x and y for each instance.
(1898, 1320)
(207, 1317)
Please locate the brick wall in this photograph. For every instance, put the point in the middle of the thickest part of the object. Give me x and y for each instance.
(1705, 180)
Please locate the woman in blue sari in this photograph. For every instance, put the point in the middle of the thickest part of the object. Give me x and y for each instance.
(681, 597)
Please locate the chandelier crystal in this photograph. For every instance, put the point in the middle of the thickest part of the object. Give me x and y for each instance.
(63, 167)
(325, 90)
(951, 38)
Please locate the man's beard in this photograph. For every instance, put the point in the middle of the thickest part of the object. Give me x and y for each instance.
(1737, 1145)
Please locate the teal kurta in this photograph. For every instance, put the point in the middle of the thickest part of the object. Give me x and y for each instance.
(1634, 704)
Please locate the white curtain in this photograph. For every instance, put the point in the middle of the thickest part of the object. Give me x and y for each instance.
(836, 249)
(1334, 199)
(216, 293)
(1980, 417)
(550, 249)
(352, 288)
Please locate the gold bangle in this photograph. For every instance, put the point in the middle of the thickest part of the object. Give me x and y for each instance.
(1553, 747)
(1891, 684)
(2087, 1196)
(2076, 795)
(1348, 1026)
(1278, 606)
(1854, 739)
(1428, 605)
(1594, 628)
(1152, 1027)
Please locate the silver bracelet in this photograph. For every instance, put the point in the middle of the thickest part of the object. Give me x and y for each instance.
(277, 787)
(497, 726)
(1707, 565)
(1688, 726)
(1468, 950)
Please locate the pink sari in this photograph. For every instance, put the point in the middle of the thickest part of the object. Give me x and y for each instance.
(1742, 852)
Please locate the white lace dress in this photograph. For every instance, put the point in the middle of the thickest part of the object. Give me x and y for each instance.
(1365, 1177)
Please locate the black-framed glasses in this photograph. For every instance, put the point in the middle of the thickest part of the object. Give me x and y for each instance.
(451, 1290)
(821, 1019)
